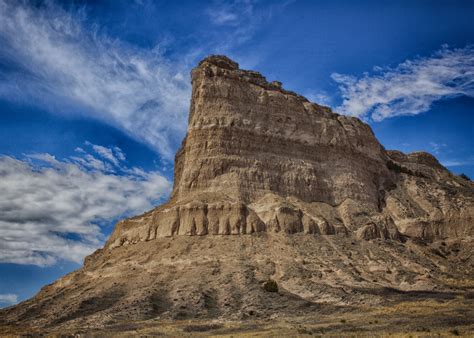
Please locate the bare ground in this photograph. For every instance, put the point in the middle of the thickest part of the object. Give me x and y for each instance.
(214, 286)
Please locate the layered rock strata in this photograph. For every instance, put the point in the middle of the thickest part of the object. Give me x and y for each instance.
(259, 158)
(269, 186)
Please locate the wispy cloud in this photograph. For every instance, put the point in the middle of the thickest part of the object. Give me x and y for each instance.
(457, 162)
(411, 87)
(112, 155)
(8, 299)
(321, 98)
(231, 13)
(239, 21)
(437, 147)
(52, 209)
(59, 61)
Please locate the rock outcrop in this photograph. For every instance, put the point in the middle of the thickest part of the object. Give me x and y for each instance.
(271, 187)
(260, 158)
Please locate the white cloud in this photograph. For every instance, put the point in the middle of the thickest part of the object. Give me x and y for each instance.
(60, 62)
(114, 156)
(437, 147)
(238, 21)
(52, 210)
(223, 16)
(231, 13)
(60, 59)
(411, 87)
(320, 98)
(8, 299)
(457, 162)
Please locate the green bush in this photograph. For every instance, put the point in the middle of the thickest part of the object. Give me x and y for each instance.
(270, 286)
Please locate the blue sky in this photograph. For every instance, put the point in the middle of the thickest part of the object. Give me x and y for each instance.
(94, 100)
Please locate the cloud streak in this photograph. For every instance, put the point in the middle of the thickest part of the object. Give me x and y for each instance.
(232, 13)
(411, 87)
(58, 59)
(61, 63)
(52, 210)
(8, 299)
(457, 162)
(239, 21)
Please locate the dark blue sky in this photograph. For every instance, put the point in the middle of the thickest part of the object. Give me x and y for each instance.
(103, 87)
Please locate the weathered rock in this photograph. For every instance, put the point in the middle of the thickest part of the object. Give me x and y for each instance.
(269, 186)
(260, 158)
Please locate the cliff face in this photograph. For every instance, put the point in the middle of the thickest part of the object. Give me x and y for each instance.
(248, 138)
(258, 158)
(271, 186)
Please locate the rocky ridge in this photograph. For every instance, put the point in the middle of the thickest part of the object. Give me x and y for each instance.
(269, 186)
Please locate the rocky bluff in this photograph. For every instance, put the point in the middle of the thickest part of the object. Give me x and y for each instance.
(271, 189)
(259, 158)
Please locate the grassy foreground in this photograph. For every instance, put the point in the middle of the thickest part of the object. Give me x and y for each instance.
(424, 318)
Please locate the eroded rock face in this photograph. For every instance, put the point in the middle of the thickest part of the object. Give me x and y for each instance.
(248, 138)
(260, 158)
(269, 186)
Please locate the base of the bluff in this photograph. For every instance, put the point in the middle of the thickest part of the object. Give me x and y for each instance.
(223, 277)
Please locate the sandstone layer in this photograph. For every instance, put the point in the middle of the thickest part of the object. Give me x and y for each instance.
(269, 186)
(260, 158)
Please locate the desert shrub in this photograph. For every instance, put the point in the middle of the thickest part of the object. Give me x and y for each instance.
(398, 168)
(422, 329)
(464, 176)
(393, 166)
(303, 330)
(455, 332)
(270, 286)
